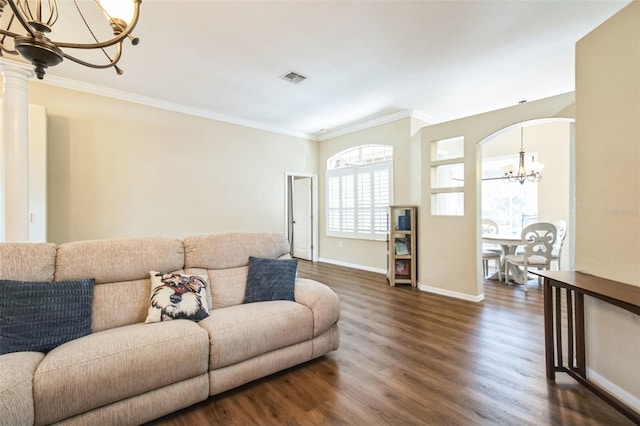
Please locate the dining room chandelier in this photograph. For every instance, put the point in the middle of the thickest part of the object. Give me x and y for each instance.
(522, 174)
(24, 30)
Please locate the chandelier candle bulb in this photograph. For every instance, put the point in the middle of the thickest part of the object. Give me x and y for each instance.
(122, 10)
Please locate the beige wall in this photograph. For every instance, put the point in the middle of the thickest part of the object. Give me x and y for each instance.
(608, 191)
(121, 169)
(608, 152)
(449, 247)
(363, 253)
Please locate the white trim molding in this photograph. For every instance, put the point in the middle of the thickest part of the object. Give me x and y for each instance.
(166, 105)
(94, 89)
(353, 265)
(377, 122)
(624, 396)
(315, 237)
(449, 293)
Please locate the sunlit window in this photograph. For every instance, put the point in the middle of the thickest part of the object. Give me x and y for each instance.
(511, 205)
(359, 192)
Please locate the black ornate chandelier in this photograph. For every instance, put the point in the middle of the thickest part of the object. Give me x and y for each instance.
(23, 32)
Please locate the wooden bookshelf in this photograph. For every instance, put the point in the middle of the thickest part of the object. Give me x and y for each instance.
(402, 245)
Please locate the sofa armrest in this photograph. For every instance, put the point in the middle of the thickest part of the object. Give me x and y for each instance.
(16, 387)
(323, 302)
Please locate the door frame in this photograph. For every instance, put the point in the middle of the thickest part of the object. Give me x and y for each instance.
(314, 208)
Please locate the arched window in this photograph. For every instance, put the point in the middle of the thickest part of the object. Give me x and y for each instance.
(359, 192)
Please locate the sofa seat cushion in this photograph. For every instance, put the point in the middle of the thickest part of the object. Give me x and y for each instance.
(241, 332)
(115, 364)
(16, 387)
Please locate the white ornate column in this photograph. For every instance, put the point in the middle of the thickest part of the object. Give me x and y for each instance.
(14, 152)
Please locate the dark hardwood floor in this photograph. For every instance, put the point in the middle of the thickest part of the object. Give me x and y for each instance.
(413, 358)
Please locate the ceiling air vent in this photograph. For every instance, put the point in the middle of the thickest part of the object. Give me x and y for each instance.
(293, 77)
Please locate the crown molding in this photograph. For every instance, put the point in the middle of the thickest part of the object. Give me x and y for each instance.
(407, 113)
(428, 119)
(93, 89)
(166, 105)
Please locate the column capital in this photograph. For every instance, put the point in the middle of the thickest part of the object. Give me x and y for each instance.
(16, 68)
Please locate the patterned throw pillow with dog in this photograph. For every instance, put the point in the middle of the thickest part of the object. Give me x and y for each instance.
(177, 296)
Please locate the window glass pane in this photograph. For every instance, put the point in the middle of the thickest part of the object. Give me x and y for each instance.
(354, 158)
(447, 204)
(378, 153)
(447, 148)
(367, 155)
(509, 204)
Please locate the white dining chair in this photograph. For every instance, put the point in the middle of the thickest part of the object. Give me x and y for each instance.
(538, 240)
(556, 254)
(491, 251)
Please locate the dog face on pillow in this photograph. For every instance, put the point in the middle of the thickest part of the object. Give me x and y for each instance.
(177, 296)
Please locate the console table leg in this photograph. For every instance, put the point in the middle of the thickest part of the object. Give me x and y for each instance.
(581, 359)
(548, 329)
(558, 314)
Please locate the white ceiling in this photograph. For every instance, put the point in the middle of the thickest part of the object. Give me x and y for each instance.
(363, 59)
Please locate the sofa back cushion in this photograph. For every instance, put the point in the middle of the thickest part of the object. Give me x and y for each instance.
(120, 267)
(27, 261)
(225, 257)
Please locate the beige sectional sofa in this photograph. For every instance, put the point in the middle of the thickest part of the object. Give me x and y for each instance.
(130, 372)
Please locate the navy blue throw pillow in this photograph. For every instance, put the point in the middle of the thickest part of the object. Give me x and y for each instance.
(39, 316)
(270, 279)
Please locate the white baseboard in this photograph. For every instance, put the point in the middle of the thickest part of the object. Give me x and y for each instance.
(615, 390)
(449, 293)
(353, 265)
(426, 288)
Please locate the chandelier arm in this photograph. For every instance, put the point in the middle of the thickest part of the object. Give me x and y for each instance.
(112, 62)
(18, 14)
(86, 24)
(54, 14)
(124, 34)
(5, 49)
(7, 33)
(4, 35)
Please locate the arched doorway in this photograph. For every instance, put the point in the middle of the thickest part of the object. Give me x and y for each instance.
(513, 205)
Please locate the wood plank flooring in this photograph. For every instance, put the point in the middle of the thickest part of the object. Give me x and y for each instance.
(413, 358)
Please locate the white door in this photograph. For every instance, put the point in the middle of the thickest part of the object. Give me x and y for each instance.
(302, 218)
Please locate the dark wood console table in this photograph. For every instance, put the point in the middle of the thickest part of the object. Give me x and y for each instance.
(576, 286)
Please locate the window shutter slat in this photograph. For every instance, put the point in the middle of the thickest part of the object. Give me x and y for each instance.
(359, 191)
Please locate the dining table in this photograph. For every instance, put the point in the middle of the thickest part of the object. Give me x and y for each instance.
(509, 243)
